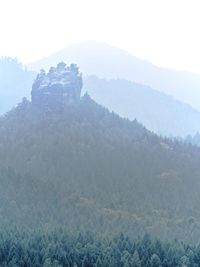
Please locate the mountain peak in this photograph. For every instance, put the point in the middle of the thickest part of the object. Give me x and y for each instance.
(106, 61)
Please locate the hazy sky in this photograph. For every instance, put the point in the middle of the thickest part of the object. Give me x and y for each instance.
(165, 32)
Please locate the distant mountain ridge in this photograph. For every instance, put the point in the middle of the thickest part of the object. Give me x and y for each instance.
(155, 110)
(105, 61)
(15, 83)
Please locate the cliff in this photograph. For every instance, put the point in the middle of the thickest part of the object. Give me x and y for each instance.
(60, 86)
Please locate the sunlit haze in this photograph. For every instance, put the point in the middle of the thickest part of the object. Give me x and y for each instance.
(165, 32)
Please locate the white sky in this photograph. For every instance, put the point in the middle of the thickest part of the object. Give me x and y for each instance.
(165, 32)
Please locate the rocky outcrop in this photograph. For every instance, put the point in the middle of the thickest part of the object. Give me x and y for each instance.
(61, 85)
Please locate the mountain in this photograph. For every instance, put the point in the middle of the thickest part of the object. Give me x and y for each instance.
(105, 61)
(155, 110)
(15, 83)
(79, 166)
(158, 112)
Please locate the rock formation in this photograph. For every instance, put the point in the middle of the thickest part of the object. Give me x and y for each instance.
(61, 85)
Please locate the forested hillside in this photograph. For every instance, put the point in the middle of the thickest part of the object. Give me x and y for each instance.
(60, 248)
(99, 139)
(88, 169)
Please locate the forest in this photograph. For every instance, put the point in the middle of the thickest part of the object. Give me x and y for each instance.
(59, 248)
(81, 186)
(89, 170)
(99, 133)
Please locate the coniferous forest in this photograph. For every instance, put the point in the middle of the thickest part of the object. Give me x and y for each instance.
(81, 186)
(63, 248)
(99, 133)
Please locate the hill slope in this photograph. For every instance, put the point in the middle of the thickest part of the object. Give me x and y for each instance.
(106, 61)
(15, 83)
(157, 111)
(87, 168)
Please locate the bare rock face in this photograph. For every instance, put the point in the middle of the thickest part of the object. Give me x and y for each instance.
(60, 86)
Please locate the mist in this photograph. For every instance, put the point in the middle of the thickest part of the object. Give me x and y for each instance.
(99, 133)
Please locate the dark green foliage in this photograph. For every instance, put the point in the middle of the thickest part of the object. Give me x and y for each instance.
(58, 247)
